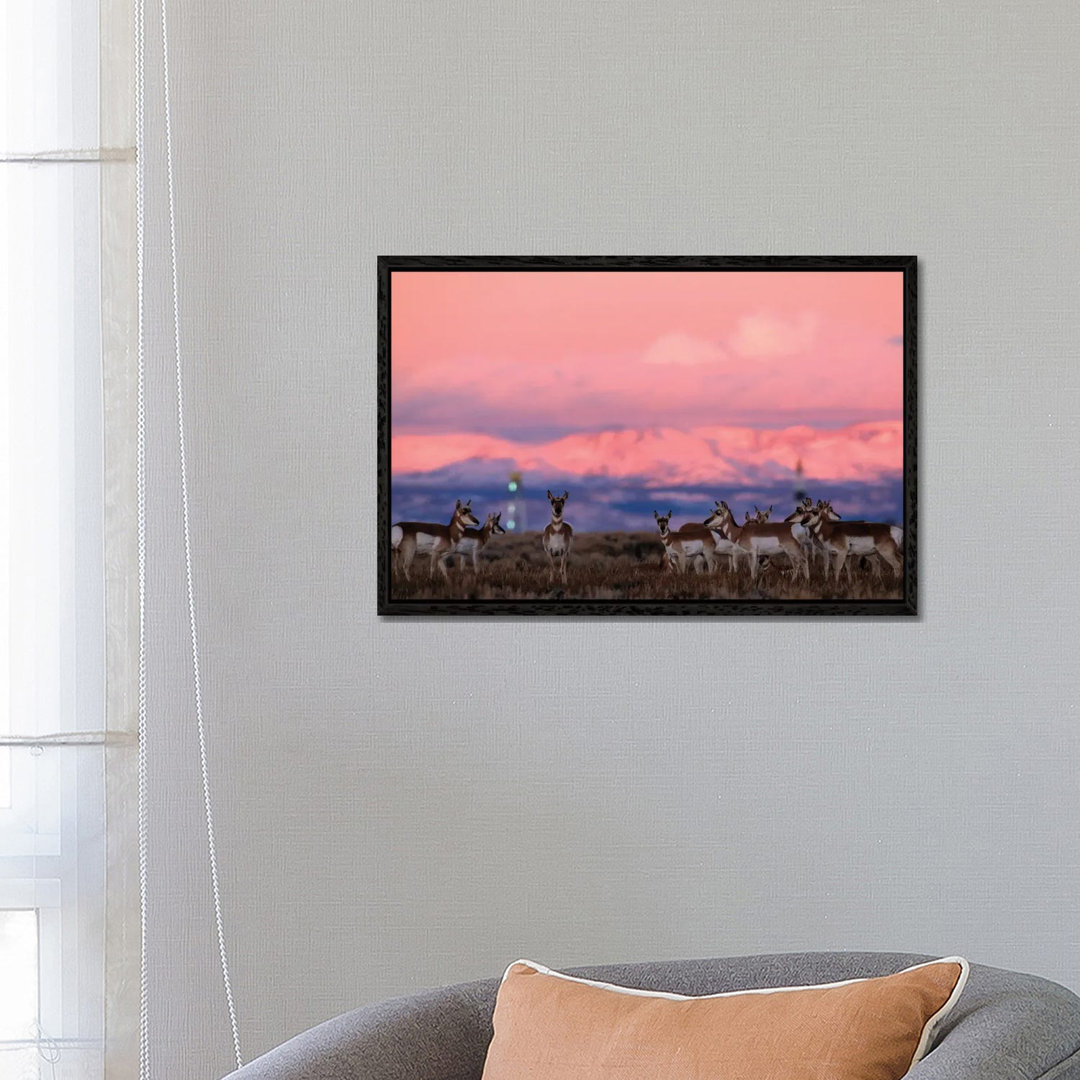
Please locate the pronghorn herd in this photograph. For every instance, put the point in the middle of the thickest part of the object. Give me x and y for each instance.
(811, 533)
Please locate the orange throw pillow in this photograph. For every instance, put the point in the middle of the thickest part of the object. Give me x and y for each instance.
(550, 1026)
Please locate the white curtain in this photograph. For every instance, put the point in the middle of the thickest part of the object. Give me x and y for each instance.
(65, 240)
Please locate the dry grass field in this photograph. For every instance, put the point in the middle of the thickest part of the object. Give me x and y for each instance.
(625, 566)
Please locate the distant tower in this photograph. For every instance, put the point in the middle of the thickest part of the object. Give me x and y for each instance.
(514, 512)
(800, 490)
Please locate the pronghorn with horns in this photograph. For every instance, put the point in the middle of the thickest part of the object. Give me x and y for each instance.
(558, 535)
(409, 538)
(474, 541)
(843, 538)
(693, 539)
(759, 539)
(685, 543)
(811, 545)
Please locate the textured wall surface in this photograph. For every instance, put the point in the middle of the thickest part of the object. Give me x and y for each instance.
(400, 805)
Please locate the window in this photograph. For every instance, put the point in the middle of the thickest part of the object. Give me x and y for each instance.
(52, 849)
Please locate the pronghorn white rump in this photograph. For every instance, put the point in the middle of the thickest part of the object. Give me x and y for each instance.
(411, 538)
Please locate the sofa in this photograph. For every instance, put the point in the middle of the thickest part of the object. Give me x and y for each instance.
(1006, 1026)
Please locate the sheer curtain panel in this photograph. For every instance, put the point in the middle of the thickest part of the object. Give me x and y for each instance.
(66, 493)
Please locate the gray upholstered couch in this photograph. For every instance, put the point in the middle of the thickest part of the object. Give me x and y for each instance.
(1005, 1027)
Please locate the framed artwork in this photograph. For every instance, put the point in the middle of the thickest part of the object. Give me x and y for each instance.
(601, 436)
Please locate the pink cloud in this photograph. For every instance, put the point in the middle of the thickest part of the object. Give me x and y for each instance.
(761, 335)
(683, 350)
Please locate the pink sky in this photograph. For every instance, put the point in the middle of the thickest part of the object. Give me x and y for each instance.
(632, 373)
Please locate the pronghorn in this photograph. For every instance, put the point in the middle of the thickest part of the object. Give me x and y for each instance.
(759, 538)
(408, 538)
(475, 540)
(860, 540)
(558, 535)
(698, 531)
(686, 543)
(810, 543)
(722, 546)
(759, 518)
(843, 538)
(895, 530)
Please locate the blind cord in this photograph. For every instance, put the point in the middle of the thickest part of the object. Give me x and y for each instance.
(140, 455)
(197, 679)
(143, 812)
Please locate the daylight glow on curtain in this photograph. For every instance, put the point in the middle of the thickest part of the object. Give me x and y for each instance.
(52, 865)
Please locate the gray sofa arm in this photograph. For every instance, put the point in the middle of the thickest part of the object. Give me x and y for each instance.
(1007, 1026)
(436, 1035)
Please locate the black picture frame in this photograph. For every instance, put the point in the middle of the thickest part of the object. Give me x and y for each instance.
(904, 606)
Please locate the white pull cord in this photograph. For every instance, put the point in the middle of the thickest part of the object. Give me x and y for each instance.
(140, 199)
(207, 803)
(140, 453)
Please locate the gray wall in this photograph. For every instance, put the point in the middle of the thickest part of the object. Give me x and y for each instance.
(405, 804)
